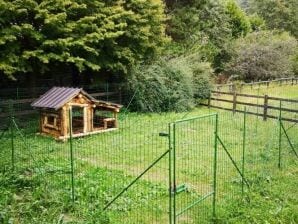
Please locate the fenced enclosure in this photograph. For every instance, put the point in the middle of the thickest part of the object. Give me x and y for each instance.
(156, 168)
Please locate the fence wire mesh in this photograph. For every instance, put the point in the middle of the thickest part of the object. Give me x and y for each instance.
(143, 172)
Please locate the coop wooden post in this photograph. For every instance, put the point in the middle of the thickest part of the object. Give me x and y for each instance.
(265, 108)
(85, 119)
(65, 119)
(234, 102)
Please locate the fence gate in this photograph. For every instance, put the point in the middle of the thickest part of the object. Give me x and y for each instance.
(193, 149)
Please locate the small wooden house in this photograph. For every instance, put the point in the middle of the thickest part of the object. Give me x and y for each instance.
(61, 108)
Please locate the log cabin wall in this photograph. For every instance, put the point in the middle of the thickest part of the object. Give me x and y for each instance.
(51, 122)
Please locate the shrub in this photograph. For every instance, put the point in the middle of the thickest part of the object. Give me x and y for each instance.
(173, 85)
(261, 56)
(160, 87)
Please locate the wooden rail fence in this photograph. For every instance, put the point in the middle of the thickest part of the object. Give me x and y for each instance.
(23, 106)
(231, 105)
(232, 87)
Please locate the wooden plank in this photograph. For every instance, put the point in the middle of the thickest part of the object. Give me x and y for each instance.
(86, 134)
(103, 94)
(238, 94)
(19, 113)
(250, 104)
(249, 95)
(253, 113)
(21, 101)
(224, 93)
(222, 100)
(283, 99)
(283, 109)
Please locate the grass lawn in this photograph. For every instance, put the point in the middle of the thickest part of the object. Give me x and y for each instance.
(38, 191)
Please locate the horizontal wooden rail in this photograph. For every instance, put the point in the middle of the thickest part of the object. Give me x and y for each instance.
(233, 101)
(253, 113)
(232, 86)
(238, 94)
(19, 113)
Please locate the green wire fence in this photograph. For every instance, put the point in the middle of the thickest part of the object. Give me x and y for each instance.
(156, 168)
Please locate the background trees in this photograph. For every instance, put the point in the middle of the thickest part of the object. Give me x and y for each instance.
(93, 39)
(79, 34)
(278, 14)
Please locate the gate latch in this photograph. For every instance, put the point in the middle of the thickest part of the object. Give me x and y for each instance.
(163, 134)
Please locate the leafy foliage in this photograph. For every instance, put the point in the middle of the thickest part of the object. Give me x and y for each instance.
(207, 26)
(94, 35)
(278, 14)
(173, 85)
(160, 87)
(239, 21)
(262, 55)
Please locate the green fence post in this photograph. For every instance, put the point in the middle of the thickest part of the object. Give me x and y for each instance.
(170, 175)
(279, 137)
(243, 149)
(215, 167)
(12, 143)
(71, 155)
(11, 126)
(174, 172)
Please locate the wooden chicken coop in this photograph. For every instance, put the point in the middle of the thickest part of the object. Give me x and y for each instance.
(61, 107)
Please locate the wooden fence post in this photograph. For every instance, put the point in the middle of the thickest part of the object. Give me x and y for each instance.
(234, 102)
(209, 100)
(265, 108)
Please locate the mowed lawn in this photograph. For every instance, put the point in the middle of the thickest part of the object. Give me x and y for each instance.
(38, 191)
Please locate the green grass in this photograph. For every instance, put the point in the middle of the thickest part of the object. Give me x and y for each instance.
(38, 191)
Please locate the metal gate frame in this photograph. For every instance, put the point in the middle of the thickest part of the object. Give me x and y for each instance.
(173, 213)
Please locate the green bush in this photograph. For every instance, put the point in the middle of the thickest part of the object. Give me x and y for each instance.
(172, 85)
(160, 87)
(262, 55)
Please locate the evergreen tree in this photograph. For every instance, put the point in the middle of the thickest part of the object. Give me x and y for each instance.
(97, 35)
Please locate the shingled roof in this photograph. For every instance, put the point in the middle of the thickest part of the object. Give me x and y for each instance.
(56, 97)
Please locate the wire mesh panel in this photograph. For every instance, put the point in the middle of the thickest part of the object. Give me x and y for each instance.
(38, 170)
(193, 169)
(231, 149)
(287, 136)
(123, 173)
(142, 171)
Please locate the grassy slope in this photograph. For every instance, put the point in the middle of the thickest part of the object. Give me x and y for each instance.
(107, 162)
